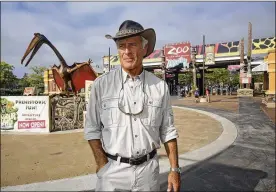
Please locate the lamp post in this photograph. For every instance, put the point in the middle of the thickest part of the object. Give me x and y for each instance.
(249, 52)
(163, 63)
(203, 83)
(194, 50)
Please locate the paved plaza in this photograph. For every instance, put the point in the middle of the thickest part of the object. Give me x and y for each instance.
(248, 164)
(226, 145)
(37, 158)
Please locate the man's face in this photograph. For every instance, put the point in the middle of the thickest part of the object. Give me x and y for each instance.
(131, 52)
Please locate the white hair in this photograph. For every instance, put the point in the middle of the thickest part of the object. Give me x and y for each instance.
(144, 42)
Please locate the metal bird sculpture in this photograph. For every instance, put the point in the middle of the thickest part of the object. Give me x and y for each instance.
(65, 76)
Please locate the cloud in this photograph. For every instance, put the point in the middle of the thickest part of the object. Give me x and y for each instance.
(77, 29)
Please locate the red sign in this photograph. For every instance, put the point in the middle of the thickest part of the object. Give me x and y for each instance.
(175, 51)
(170, 75)
(31, 124)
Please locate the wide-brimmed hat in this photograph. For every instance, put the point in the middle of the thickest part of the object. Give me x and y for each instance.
(131, 28)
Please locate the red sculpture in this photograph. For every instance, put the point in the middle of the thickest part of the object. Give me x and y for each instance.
(65, 76)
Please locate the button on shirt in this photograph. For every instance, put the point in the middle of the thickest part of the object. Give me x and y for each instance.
(124, 134)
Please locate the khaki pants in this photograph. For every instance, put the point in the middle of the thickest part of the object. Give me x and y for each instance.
(116, 176)
(208, 98)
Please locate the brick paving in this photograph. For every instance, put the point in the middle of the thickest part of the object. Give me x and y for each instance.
(247, 165)
(225, 102)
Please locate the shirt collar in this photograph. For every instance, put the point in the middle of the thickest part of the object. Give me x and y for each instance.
(126, 75)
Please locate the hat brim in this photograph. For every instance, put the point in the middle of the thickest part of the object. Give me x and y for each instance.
(148, 34)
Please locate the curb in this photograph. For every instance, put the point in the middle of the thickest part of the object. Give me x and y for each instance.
(186, 161)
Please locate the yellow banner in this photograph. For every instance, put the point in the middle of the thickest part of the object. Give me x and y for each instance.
(114, 60)
(210, 55)
(221, 55)
(262, 46)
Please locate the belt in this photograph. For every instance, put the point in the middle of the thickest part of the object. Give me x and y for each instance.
(133, 161)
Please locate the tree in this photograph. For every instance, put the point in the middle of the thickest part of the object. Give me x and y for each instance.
(185, 78)
(218, 75)
(258, 77)
(159, 74)
(235, 79)
(23, 82)
(36, 78)
(8, 79)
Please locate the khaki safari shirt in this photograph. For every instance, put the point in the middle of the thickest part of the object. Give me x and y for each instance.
(129, 135)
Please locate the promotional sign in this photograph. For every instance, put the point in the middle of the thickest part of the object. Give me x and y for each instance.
(178, 50)
(88, 84)
(226, 49)
(25, 113)
(210, 55)
(29, 91)
(245, 80)
(233, 67)
(114, 60)
(176, 62)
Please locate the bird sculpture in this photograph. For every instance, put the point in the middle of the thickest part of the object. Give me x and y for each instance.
(68, 78)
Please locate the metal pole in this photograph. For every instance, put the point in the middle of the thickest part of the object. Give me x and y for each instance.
(203, 86)
(109, 59)
(194, 65)
(249, 52)
(163, 63)
(241, 62)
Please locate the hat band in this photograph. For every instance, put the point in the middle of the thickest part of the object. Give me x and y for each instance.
(127, 32)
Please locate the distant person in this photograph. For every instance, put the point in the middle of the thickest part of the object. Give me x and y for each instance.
(196, 95)
(207, 92)
(186, 90)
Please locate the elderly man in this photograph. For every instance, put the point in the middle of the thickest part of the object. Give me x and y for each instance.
(129, 112)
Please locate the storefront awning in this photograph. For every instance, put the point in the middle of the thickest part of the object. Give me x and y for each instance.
(260, 68)
(233, 67)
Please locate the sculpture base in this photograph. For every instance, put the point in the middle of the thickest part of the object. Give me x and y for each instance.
(203, 100)
(269, 101)
(270, 105)
(245, 93)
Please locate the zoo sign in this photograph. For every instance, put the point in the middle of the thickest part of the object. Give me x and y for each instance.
(25, 113)
(175, 51)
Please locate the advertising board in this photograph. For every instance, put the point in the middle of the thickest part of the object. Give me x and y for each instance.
(88, 84)
(210, 55)
(25, 113)
(28, 91)
(177, 53)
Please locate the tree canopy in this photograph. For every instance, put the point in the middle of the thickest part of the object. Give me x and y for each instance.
(12, 85)
(8, 79)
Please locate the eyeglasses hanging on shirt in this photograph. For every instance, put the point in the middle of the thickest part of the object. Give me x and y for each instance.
(125, 103)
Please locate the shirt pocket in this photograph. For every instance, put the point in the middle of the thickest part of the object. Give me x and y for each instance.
(110, 114)
(152, 114)
(155, 108)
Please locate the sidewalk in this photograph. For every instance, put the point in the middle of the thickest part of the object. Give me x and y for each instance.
(187, 160)
(226, 102)
(248, 164)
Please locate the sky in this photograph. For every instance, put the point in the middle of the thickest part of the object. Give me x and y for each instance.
(78, 29)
